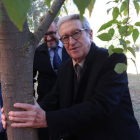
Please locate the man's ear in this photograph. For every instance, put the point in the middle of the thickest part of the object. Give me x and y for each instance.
(91, 35)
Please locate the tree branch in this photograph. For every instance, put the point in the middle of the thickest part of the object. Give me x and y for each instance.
(45, 24)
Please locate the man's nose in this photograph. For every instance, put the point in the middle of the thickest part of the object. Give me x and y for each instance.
(72, 41)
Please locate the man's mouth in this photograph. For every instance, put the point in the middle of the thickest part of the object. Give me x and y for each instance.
(74, 48)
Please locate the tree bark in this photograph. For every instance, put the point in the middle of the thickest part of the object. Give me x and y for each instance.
(16, 72)
(16, 69)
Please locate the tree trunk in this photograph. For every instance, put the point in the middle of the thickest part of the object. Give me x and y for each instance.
(16, 69)
(16, 72)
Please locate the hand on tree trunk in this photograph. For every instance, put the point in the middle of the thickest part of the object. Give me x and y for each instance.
(33, 116)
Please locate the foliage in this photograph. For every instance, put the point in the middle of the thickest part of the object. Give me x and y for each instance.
(123, 29)
(120, 23)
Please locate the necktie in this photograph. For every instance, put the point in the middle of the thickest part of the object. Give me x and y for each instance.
(78, 71)
(56, 59)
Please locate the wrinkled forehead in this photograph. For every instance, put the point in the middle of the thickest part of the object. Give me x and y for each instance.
(70, 26)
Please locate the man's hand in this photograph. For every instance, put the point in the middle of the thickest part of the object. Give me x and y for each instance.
(33, 117)
(3, 119)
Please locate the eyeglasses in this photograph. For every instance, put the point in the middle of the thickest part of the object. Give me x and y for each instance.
(75, 35)
(51, 34)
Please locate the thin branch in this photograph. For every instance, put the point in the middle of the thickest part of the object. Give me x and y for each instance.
(43, 27)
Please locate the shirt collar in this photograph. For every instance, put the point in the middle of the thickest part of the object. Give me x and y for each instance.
(81, 63)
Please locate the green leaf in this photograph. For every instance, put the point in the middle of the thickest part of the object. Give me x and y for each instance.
(132, 51)
(17, 11)
(125, 13)
(110, 50)
(121, 42)
(90, 7)
(123, 29)
(48, 3)
(104, 26)
(127, 33)
(131, 28)
(126, 20)
(113, 21)
(120, 68)
(127, 42)
(111, 47)
(109, 2)
(105, 37)
(57, 14)
(117, 50)
(51, 10)
(116, 1)
(124, 6)
(115, 13)
(111, 31)
(135, 35)
(137, 7)
(137, 23)
(65, 9)
(82, 5)
(108, 10)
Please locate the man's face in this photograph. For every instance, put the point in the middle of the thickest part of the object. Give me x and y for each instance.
(51, 38)
(77, 49)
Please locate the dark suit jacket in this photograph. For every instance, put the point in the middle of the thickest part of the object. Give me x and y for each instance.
(46, 75)
(101, 109)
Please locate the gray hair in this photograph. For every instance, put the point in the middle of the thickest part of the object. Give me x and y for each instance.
(55, 20)
(85, 22)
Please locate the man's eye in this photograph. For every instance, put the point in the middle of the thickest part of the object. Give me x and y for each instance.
(65, 37)
(76, 32)
(51, 33)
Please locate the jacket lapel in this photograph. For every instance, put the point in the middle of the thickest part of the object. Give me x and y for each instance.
(89, 62)
(69, 86)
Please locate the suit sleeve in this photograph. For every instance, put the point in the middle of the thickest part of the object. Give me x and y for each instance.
(104, 102)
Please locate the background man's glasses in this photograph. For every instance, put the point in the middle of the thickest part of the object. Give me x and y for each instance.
(51, 34)
(75, 35)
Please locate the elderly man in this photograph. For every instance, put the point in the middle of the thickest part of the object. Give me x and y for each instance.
(90, 101)
(48, 57)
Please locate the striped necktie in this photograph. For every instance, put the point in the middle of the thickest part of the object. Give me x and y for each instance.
(78, 70)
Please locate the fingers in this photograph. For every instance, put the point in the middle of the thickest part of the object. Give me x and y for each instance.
(2, 110)
(24, 106)
(21, 125)
(3, 121)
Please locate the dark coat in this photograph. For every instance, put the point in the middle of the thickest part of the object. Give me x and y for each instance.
(101, 109)
(46, 75)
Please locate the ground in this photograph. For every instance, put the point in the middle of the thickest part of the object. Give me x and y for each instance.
(134, 86)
